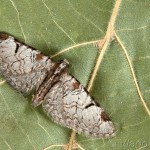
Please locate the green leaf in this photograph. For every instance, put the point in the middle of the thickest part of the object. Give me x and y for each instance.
(73, 27)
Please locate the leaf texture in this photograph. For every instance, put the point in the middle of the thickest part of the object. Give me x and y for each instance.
(70, 29)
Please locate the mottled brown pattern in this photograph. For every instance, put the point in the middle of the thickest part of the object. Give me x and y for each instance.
(39, 57)
(3, 36)
(76, 85)
(104, 116)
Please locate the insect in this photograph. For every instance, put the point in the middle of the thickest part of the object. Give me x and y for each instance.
(62, 97)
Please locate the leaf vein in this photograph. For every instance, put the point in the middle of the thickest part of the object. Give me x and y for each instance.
(51, 146)
(99, 9)
(133, 75)
(84, 17)
(133, 29)
(105, 43)
(7, 144)
(73, 47)
(50, 13)
(2, 82)
(27, 136)
(18, 17)
(38, 123)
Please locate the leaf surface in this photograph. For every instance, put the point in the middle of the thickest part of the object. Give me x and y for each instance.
(70, 29)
